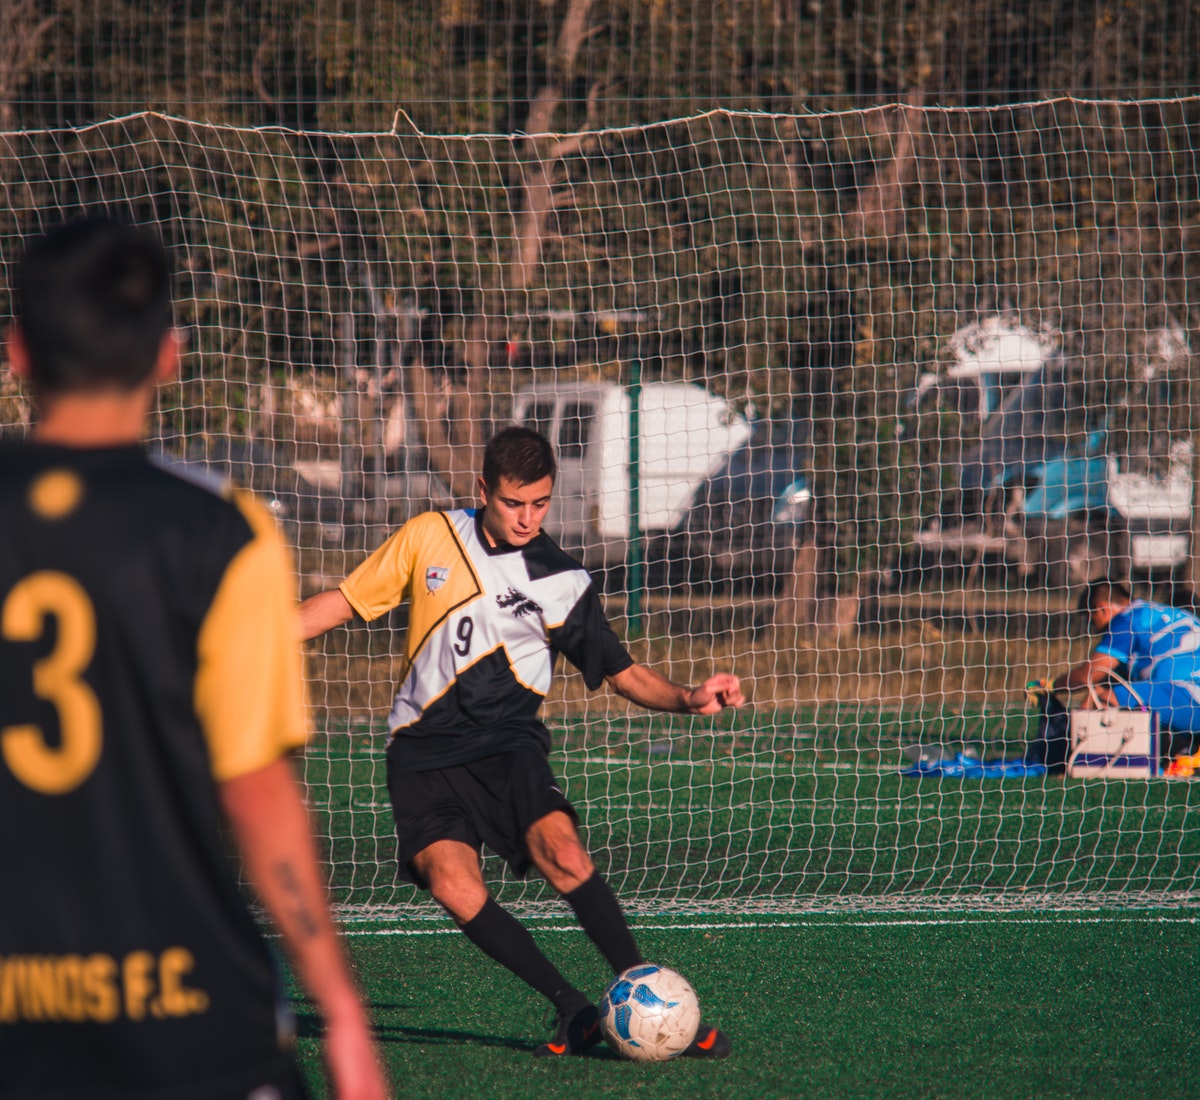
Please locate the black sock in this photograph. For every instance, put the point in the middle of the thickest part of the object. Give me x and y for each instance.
(502, 937)
(601, 918)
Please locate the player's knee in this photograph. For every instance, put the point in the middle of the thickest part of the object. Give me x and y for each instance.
(461, 896)
(558, 853)
(569, 866)
(452, 874)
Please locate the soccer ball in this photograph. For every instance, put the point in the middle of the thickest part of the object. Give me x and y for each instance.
(649, 1013)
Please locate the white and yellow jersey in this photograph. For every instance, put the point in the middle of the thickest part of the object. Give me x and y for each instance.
(485, 626)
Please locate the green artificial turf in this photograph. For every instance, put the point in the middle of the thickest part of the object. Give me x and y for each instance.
(1013, 938)
(938, 1004)
(809, 810)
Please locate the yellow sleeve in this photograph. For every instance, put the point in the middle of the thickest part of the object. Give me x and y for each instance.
(381, 581)
(250, 694)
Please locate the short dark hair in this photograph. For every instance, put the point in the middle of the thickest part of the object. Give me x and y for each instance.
(93, 302)
(519, 454)
(1104, 591)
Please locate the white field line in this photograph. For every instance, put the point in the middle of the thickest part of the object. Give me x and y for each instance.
(892, 922)
(632, 762)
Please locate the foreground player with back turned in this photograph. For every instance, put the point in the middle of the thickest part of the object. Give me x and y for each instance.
(492, 602)
(149, 681)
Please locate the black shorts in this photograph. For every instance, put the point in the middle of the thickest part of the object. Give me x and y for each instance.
(492, 801)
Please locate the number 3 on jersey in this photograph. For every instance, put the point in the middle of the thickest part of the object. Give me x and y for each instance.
(57, 678)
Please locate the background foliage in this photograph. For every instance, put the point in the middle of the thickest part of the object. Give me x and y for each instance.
(904, 170)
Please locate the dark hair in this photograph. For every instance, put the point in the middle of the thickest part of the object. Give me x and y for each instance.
(1103, 591)
(519, 454)
(93, 302)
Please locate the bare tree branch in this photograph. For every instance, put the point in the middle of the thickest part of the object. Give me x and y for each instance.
(20, 41)
(256, 68)
(457, 448)
(879, 213)
(540, 197)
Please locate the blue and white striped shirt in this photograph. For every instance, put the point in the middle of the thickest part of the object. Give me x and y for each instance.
(1157, 642)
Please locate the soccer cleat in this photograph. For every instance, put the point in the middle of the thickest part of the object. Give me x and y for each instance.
(710, 1042)
(577, 1032)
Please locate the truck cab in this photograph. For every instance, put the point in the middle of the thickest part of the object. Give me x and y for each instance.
(685, 436)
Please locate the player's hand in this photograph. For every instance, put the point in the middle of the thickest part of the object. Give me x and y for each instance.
(355, 1070)
(717, 693)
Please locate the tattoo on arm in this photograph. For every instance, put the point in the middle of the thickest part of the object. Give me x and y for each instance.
(298, 909)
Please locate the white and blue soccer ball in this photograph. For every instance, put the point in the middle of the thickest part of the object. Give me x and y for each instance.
(649, 1013)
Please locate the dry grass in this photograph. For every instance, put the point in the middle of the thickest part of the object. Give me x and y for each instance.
(917, 663)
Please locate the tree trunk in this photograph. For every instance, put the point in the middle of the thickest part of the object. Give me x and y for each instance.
(879, 212)
(456, 439)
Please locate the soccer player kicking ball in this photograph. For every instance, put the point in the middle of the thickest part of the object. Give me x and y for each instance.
(150, 678)
(492, 602)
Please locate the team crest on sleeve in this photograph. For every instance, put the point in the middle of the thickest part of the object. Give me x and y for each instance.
(436, 576)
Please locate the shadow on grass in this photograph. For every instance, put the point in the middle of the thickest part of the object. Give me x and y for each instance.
(308, 1026)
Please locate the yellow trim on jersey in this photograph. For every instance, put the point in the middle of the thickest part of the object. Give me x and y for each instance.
(450, 683)
(249, 692)
(466, 668)
(467, 601)
(385, 579)
(516, 676)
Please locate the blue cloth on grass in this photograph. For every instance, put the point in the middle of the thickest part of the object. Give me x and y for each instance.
(964, 766)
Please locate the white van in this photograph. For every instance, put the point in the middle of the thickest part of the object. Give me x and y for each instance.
(685, 434)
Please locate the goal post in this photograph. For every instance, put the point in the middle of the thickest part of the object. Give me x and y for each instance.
(907, 379)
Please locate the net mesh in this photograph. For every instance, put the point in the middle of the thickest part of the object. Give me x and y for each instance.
(907, 378)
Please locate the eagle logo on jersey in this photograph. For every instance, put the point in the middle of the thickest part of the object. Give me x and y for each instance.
(436, 576)
(518, 603)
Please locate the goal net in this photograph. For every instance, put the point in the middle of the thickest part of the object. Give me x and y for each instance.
(901, 381)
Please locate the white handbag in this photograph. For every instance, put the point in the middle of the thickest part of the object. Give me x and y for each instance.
(1114, 742)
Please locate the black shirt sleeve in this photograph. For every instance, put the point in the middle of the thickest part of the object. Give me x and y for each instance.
(587, 640)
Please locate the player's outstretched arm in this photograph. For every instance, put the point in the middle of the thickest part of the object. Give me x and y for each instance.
(323, 612)
(1094, 670)
(650, 689)
(270, 824)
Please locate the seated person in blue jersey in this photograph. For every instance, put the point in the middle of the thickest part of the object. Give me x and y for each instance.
(493, 602)
(1153, 646)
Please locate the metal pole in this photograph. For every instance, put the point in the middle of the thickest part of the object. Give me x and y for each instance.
(350, 442)
(634, 561)
(1194, 533)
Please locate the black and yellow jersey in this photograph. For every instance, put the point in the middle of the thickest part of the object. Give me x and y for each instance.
(147, 648)
(485, 625)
